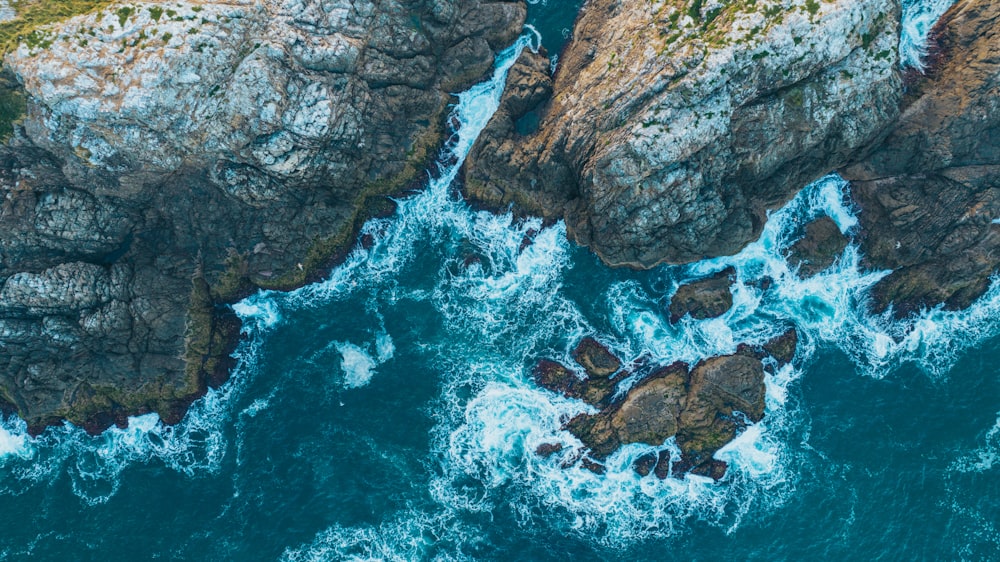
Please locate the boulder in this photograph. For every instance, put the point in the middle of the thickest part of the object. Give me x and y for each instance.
(705, 298)
(595, 358)
(818, 248)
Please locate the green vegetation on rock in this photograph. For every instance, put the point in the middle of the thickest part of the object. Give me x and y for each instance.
(13, 104)
(33, 14)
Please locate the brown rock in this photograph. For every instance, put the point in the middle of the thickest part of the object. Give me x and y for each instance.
(662, 469)
(705, 298)
(546, 450)
(697, 407)
(783, 347)
(818, 248)
(595, 358)
(929, 191)
(593, 466)
(645, 464)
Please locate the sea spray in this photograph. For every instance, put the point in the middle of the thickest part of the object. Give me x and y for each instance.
(919, 17)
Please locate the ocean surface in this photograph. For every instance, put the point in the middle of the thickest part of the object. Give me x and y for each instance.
(389, 412)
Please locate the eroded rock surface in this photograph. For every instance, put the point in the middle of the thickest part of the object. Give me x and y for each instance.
(930, 192)
(705, 298)
(174, 157)
(820, 245)
(674, 126)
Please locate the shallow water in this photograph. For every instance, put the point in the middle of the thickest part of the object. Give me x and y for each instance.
(389, 413)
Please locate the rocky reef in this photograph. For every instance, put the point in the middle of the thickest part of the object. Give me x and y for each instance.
(165, 161)
(702, 407)
(175, 157)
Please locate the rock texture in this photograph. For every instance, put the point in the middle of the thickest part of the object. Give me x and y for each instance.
(673, 126)
(929, 194)
(705, 298)
(703, 407)
(174, 157)
(818, 248)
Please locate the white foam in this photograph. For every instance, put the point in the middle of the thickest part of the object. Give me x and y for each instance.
(919, 16)
(385, 349)
(983, 458)
(14, 440)
(357, 365)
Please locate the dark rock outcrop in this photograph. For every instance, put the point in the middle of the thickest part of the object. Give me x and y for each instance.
(595, 359)
(704, 407)
(673, 127)
(930, 192)
(818, 248)
(171, 161)
(706, 298)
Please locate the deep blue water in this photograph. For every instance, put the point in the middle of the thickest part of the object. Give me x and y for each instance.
(389, 413)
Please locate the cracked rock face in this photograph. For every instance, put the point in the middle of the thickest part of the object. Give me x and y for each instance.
(671, 131)
(930, 193)
(174, 158)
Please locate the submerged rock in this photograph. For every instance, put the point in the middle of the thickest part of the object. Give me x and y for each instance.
(783, 347)
(818, 248)
(175, 158)
(673, 127)
(706, 298)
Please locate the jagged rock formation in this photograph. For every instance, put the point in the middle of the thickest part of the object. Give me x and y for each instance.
(929, 194)
(174, 157)
(703, 407)
(673, 126)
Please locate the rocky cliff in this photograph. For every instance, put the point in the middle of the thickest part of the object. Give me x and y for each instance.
(930, 193)
(174, 157)
(673, 126)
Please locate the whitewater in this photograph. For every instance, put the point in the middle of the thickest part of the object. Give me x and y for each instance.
(473, 300)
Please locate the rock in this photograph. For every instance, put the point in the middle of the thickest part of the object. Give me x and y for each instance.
(529, 85)
(645, 464)
(546, 450)
(698, 407)
(783, 347)
(672, 130)
(662, 469)
(593, 466)
(714, 469)
(818, 248)
(929, 192)
(595, 388)
(172, 161)
(719, 387)
(705, 298)
(596, 360)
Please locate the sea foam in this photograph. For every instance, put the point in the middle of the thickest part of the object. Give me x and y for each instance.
(919, 17)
